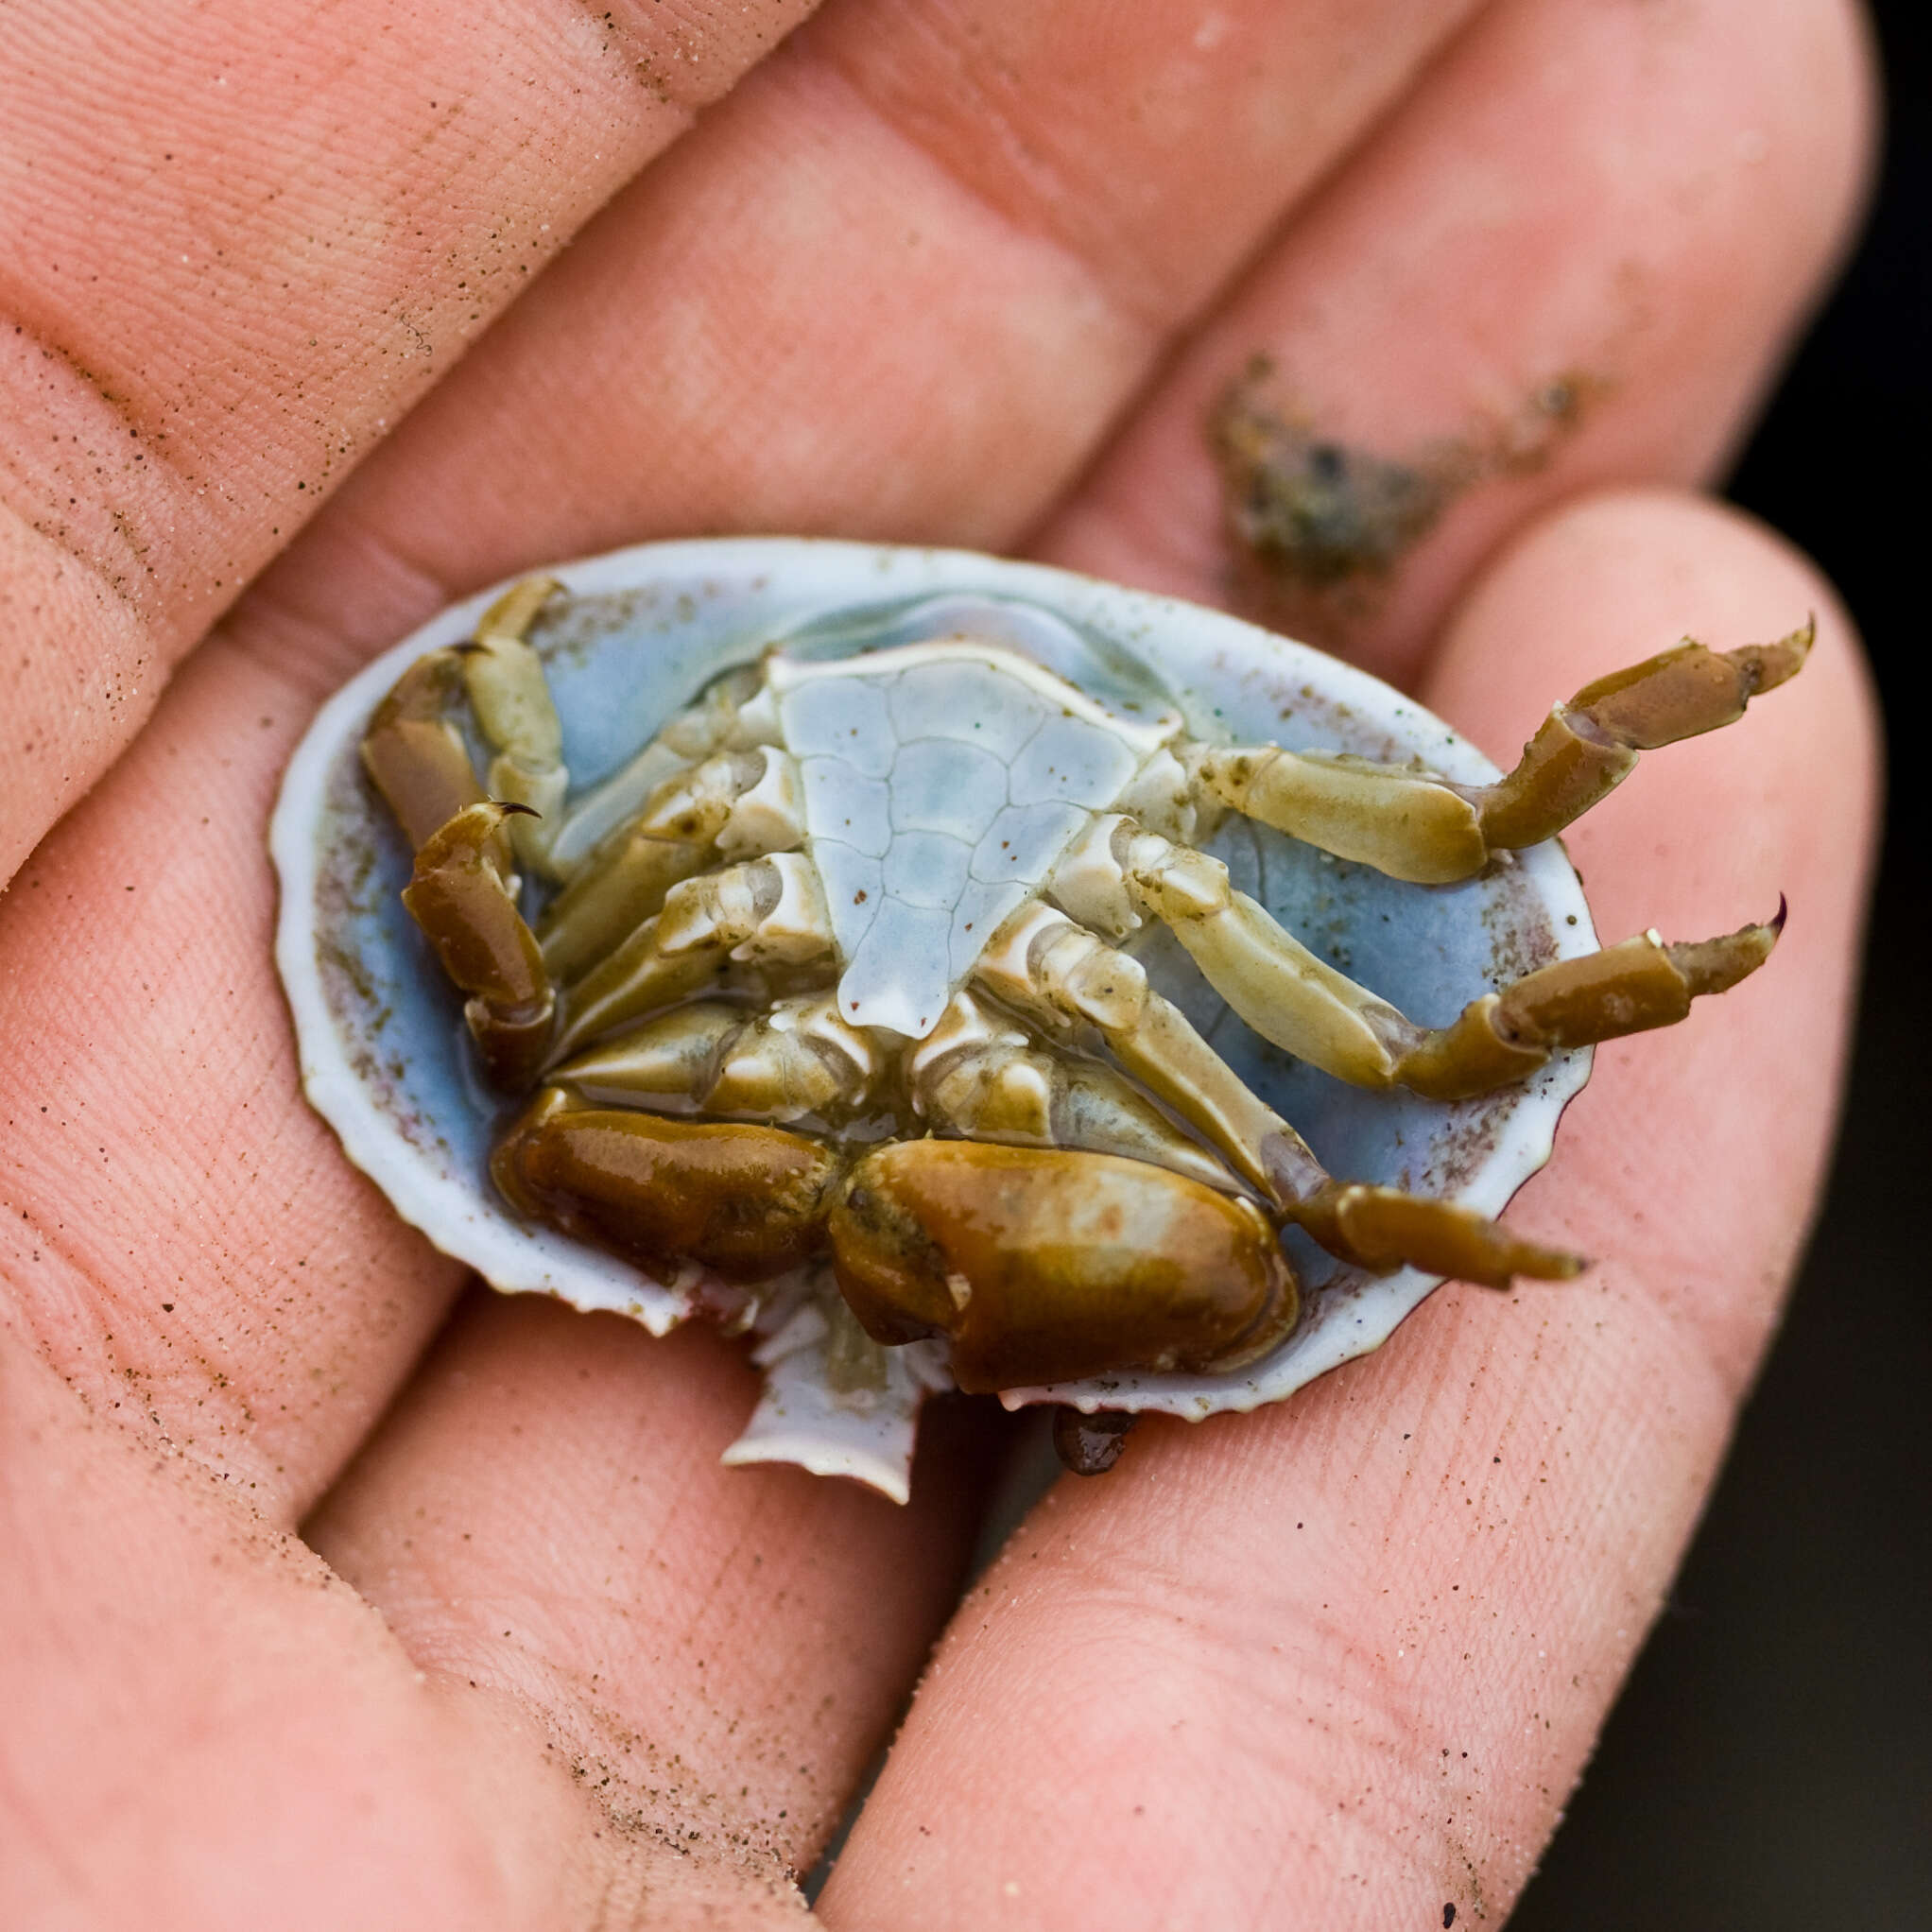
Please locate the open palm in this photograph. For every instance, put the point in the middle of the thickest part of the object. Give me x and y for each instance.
(333, 1594)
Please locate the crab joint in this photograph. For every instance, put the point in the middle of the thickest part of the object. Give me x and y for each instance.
(1041, 1266)
(459, 897)
(768, 910)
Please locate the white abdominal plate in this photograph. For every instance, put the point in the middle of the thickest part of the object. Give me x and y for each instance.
(942, 782)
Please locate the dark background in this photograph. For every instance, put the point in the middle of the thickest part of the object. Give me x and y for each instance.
(1771, 1765)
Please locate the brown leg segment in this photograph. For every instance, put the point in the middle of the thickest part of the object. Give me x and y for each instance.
(1382, 1229)
(1587, 746)
(1624, 989)
(1412, 826)
(459, 897)
(415, 755)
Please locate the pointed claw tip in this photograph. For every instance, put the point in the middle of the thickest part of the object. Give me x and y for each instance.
(1771, 665)
(510, 809)
(1775, 925)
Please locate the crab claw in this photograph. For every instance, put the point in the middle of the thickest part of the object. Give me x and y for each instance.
(1047, 1266)
(745, 1200)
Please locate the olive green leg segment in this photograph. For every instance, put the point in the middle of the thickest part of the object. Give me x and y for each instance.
(509, 694)
(771, 909)
(798, 1062)
(730, 805)
(621, 886)
(717, 721)
(1041, 957)
(985, 1079)
(1414, 826)
(460, 898)
(627, 879)
(1302, 1004)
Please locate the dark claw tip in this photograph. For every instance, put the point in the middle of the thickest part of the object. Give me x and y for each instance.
(1776, 924)
(469, 647)
(510, 809)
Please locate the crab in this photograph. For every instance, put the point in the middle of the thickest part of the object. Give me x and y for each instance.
(849, 1002)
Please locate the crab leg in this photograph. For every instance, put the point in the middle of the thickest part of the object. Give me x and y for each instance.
(1424, 829)
(460, 896)
(1624, 989)
(510, 696)
(727, 716)
(622, 886)
(799, 1061)
(988, 1081)
(1042, 959)
(1302, 1004)
(771, 909)
(735, 805)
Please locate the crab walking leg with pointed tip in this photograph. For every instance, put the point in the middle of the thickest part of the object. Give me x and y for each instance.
(762, 1026)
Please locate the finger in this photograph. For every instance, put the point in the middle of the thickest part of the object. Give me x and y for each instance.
(717, 1652)
(183, 1246)
(896, 286)
(1573, 257)
(206, 1730)
(200, 1718)
(164, 1118)
(1340, 1662)
(238, 243)
(180, 1234)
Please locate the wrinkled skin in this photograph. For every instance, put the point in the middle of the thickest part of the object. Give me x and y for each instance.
(329, 1594)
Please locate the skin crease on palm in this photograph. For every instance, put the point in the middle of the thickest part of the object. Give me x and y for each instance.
(333, 1594)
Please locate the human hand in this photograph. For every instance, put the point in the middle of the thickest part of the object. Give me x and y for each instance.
(336, 1597)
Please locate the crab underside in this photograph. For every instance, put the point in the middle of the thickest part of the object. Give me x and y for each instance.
(952, 971)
